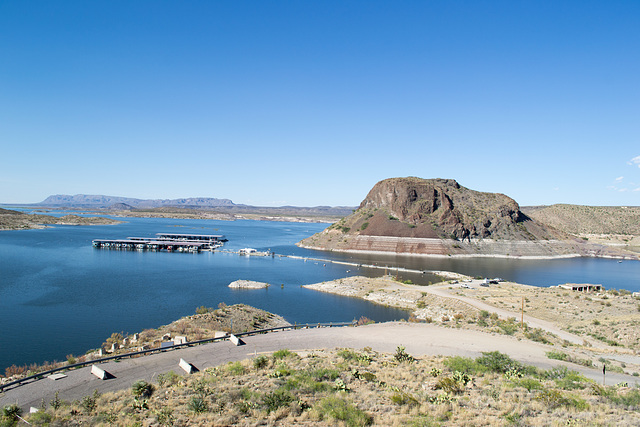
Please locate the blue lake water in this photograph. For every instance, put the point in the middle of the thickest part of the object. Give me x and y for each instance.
(59, 295)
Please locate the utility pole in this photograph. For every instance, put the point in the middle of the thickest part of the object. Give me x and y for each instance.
(522, 315)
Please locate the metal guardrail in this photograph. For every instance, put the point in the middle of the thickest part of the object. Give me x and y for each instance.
(42, 374)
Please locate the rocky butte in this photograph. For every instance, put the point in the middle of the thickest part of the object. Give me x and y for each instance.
(440, 217)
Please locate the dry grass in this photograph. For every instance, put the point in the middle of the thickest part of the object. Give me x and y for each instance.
(610, 316)
(359, 387)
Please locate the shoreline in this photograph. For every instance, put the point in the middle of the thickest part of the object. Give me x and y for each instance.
(441, 256)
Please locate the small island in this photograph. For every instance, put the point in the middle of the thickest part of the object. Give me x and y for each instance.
(248, 284)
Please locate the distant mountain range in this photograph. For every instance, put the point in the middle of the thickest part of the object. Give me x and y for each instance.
(103, 202)
(85, 201)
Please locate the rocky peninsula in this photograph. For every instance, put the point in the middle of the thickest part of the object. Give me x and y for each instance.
(14, 220)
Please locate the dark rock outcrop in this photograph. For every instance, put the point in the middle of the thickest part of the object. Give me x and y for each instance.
(441, 217)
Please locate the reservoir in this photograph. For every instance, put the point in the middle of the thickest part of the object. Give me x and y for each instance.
(59, 295)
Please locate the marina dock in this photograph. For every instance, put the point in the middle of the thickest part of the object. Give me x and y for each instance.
(164, 242)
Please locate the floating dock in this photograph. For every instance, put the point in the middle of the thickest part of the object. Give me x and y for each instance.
(164, 242)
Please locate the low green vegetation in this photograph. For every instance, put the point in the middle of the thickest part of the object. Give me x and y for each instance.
(349, 387)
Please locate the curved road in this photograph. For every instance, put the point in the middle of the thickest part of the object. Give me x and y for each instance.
(419, 339)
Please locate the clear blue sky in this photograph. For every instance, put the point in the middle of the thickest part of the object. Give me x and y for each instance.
(311, 103)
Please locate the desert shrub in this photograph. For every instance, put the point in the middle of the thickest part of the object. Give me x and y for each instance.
(235, 368)
(260, 362)
(465, 365)
(15, 370)
(40, 418)
(536, 334)
(164, 416)
(421, 304)
(402, 399)
(557, 355)
(276, 399)
(350, 355)
(56, 402)
(498, 362)
(509, 326)
(12, 412)
(280, 372)
(566, 379)
(283, 353)
(334, 408)
(455, 383)
(198, 405)
(324, 374)
(528, 383)
(555, 399)
(142, 389)
(630, 399)
(201, 388)
(203, 310)
(89, 403)
(402, 356)
(169, 379)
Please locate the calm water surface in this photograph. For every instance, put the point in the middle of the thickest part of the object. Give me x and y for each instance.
(59, 295)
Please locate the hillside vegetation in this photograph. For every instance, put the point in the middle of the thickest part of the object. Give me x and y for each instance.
(578, 220)
(349, 387)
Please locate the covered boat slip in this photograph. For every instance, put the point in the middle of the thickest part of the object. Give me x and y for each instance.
(164, 242)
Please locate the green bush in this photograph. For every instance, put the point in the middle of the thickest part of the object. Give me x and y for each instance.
(555, 399)
(235, 368)
(169, 379)
(142, 389)
(528, 383)
(40, 418)
(557, 355)
(203, 310)
(260, 362)
(276, 399)
(498, 362)
(89, 403)
(537, 334)
(333, 408)
(12, 412)
(350, 355)
(465, 365)
(198, 405)
(283, 353)
(402, 399)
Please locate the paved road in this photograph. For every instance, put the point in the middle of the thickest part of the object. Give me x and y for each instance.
(419, 339)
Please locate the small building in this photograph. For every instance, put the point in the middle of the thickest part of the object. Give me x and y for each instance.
(581, 287)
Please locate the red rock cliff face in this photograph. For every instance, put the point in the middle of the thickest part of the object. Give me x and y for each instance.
(451, 211)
